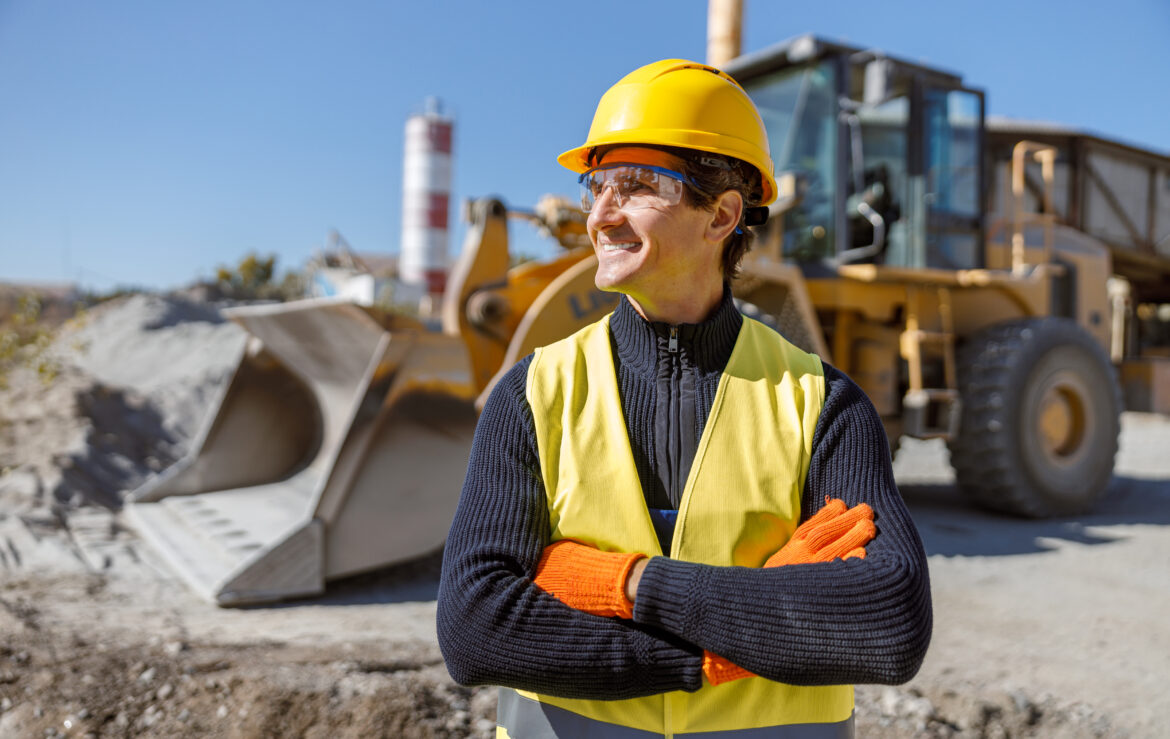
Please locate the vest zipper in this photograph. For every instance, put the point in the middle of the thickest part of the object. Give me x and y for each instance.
(674, 445)
(675, 435)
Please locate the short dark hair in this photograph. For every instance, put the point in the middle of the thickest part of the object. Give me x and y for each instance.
(713, 175)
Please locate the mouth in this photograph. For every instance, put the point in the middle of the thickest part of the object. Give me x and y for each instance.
(620, 245)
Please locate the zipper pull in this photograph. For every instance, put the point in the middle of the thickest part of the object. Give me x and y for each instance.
(672, 345)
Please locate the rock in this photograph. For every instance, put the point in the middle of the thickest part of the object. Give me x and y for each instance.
(889, 702)
(919, 708)
(165, 692)
(483, 704)
(457, 721)
(17, 721)
(21, 483)
(147, 675)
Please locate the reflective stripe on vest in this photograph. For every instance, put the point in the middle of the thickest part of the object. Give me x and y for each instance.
(523, 718)
(740, 504)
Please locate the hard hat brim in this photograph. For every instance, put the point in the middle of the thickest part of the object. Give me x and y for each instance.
(577, 158)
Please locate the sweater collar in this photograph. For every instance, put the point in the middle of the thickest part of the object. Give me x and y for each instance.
(640, 343)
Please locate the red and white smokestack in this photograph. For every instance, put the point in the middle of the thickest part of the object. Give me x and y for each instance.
(426, 199)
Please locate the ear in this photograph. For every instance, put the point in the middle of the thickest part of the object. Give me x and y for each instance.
(725, 216)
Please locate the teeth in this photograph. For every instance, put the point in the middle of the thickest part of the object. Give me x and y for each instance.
(621, 246)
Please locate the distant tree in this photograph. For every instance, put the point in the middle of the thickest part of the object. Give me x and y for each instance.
(291, 286)
(25, 338)
(251, 279)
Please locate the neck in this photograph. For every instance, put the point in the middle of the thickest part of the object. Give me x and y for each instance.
(693, 308)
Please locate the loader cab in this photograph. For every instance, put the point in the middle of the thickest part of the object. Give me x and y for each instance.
(886, 155)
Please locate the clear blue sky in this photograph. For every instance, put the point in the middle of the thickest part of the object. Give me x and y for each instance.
(146, 142)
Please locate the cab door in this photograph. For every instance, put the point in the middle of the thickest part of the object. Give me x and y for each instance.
(951, 151)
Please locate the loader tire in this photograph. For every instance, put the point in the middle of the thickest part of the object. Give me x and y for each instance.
(1041, 409)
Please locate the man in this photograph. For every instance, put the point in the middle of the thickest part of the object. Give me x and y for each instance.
(644, 545)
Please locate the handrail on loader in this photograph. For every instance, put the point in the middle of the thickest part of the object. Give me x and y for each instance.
(1021, 218)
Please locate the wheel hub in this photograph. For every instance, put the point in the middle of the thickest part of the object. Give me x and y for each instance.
(1062, 421)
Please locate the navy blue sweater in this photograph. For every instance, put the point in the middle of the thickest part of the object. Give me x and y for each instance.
(851, 621)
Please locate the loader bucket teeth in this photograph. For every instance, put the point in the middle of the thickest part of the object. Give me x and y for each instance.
(337, 428)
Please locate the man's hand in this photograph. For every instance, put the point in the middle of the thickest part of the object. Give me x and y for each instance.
(588, 579)
(835, 531)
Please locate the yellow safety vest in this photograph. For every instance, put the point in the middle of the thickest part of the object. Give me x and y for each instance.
(741, 503)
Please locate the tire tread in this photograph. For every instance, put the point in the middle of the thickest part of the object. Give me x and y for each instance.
(991, 367)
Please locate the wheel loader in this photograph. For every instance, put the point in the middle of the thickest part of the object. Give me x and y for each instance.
(984, 283)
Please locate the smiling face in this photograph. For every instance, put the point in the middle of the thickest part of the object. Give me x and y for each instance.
(666, 258)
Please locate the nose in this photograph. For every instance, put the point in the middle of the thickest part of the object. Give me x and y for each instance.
(605, 212)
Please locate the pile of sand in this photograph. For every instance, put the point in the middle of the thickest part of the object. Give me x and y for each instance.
(133, 380)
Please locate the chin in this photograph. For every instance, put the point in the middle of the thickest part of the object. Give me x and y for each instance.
(605, 280)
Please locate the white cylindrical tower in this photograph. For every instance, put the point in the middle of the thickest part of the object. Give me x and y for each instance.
(426, 199)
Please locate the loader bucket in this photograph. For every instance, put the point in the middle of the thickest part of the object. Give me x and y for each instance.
(338, 446)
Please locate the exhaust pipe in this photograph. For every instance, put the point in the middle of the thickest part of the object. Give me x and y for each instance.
(724, 27)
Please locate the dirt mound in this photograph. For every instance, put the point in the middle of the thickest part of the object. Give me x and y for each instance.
(58, 682)
(175, 352)
(74, 442)
(131, 382)
(974, 712)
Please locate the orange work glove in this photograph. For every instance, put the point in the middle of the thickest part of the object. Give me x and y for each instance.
(833, 532)
(719, 670)
(587, 579)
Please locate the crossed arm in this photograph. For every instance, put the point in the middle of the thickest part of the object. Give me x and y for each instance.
(846, 621)
(606, 583)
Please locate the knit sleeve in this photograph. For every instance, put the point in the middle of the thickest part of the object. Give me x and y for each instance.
(847, 621)
(494, 625)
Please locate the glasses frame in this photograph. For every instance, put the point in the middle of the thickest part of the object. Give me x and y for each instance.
(673, 174)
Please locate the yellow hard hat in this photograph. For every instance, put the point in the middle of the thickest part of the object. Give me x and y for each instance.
(675, 102)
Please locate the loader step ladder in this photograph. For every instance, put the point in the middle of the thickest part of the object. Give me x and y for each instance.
(929, 412)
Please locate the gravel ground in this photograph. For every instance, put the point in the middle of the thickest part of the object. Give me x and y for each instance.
(1067, 613)
(1042, 629)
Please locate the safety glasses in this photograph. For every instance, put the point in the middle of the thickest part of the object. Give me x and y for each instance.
(634, 186)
